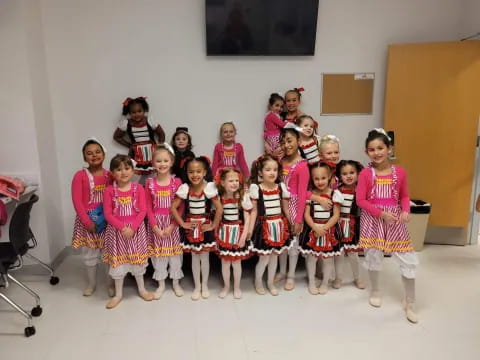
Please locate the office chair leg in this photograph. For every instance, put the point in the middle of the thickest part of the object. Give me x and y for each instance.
(30, 330)
(54, 280)
(26, 288)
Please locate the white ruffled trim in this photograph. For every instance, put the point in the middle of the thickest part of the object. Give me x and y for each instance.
(121, 270)
(246, 202)
(273, 250)
(247, 251)
(210, 190)
(321, 254)
(198, 248)
(182, 191)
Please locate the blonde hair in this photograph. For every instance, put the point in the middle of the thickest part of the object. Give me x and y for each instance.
(328, 139)
(225, 124)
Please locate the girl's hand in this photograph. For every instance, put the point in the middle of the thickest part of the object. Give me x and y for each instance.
(243, 239)
(168, 231)
(320, 230)
(91, 228)
(297, 228)
(389, 217)
(127, 232)
(187, 225)
(404, 218)
(326, 203)
(278, 152)
(159, 232)
(207, 227)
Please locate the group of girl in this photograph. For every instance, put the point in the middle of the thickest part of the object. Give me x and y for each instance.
(298, 198)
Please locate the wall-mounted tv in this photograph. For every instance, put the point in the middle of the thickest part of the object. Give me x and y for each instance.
(261, 27)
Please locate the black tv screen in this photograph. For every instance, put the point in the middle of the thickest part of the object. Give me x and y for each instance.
(261, 27)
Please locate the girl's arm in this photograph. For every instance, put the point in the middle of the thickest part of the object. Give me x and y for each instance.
(362, 191)
(253, 216)
(218, 212)
(242, 162)
(108, 210)
(286, 212)
(325, 202)
(149, 202)
(216, 159)
(176, 215)
(142, 206)
(403, 196)
(334, 219)
(308, 217)
(118, 136)
(302, 185)
(77, 199)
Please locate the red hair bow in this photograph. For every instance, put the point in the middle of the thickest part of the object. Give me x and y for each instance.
(127, 101)
(300, 89)
(330, 164)
(315, 124)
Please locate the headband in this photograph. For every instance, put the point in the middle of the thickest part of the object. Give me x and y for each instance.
(382, 131)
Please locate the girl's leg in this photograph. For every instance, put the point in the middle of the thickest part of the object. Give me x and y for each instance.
(144, 294)
(205, 265)
(409, 285)
(196, 276)
(311, 265)
(338, 263)
(292, 265)
(91, 280)
(176, 273)
(160, 265)
(373, 263)
(354, 264)
(408, 265)
(272, 270)
(282, 274)
(237, 277)
(259, 270)
(118, 293)
(327, 268)
(226, 278)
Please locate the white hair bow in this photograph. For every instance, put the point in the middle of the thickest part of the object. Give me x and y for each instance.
(290, 125)
(329, 137)
(382, 131)
(169, 148)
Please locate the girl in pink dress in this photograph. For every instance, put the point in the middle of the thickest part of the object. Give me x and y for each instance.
(273, 124)
(293, 99)
(229, 153)
(126, 240)
(163, 231)
(382, 194)
(88, 186)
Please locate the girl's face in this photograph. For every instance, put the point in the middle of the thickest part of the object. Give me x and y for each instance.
(292, 101)
(308, 127)
(269, 172)
(320, 178)
(277, 107)
(228, 133)
(348, 175)
(137, 114)
(162, 161)
(289, 144)
(181, 141)
(123, 174)
(93, 155)
(377, 151)
(196, 172)
(330, 152)
(231, 183)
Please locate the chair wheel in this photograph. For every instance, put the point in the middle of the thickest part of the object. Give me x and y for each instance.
(54, 280)
(29, 331)
(36, 311)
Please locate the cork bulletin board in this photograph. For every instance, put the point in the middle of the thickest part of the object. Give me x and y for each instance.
(347, 94)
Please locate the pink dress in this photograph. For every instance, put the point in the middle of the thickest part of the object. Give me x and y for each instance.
(376, 194)
(233, 157)
(272, 125)
(124, 208)
(159, 200)
(87, 194)
(296, 179)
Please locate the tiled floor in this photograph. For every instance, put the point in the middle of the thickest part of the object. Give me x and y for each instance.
(340, 325)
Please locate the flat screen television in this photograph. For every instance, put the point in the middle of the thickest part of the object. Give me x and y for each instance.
(261, 27)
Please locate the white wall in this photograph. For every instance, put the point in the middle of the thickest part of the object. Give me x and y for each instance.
(99, 52)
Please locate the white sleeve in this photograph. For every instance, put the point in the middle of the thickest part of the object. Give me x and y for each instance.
(151, 121)
(122, 123)
(253, 191)
(182, 191)
(246, 202)
(337, 197)
(210, 190)
(285, 192)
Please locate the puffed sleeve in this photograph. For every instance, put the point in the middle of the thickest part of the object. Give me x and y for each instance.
(285, 192)
(182, 191)
(246, 202)
(122, 124)
(210, 190)
(151, 121)
(337, 197)
(253, 191)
